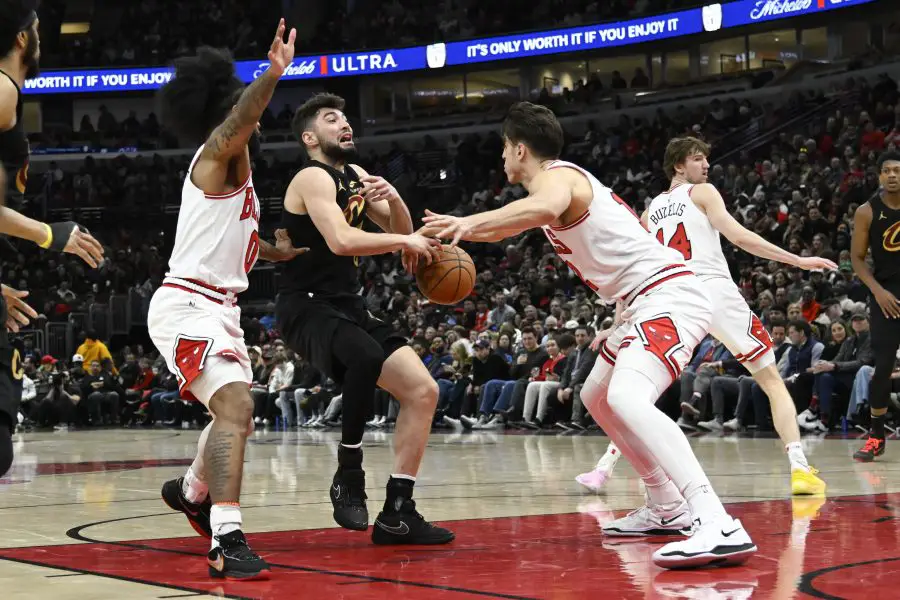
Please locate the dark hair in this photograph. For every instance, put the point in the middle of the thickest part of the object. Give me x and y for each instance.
(801, 325)
(18, 16)
(200, 95)
(565, 341)
(307, 112)
(535, 126)
(679, 149)
(888, 157)
(527, 330)
(777, 323)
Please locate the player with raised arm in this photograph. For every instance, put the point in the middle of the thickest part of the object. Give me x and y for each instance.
(194, 319)
(21, 47)
(689, 218)
(324, 319)
(603, 242)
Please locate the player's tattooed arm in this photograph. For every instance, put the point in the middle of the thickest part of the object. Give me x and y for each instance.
(232, 135)
(283, 250)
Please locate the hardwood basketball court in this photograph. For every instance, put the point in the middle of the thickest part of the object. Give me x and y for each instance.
(82, 518)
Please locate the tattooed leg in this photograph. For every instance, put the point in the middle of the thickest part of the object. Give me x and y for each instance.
(224, 453)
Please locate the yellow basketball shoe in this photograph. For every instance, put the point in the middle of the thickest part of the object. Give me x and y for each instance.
(806, 483)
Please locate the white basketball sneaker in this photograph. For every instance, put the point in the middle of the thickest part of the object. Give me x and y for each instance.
(720, 541)
(652, 521)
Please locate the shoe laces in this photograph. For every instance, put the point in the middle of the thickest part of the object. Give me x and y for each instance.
(355, 483)
(234, 544)
(872, 445)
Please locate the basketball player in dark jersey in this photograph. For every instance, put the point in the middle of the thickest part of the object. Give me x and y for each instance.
(20, 45)
(877, 228)
(322, 317)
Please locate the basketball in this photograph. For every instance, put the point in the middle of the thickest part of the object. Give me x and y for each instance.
(448, 279)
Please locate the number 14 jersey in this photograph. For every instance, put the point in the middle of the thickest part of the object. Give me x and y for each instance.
(676, 222)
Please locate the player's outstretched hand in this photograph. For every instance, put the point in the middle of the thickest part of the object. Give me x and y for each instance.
(281, 54)
(83, 244)
(446, 226)
(17, 312)
(418, 246)
(814, 262)
(376, 189)
(284, 247)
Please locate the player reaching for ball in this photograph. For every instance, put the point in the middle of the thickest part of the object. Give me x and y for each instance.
(689, 218)
(323, 318)
(604, 243)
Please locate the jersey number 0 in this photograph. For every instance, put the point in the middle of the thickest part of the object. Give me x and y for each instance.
(679, 241)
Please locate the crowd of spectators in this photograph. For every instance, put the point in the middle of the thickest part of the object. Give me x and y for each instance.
(518, 348)
(161, 30)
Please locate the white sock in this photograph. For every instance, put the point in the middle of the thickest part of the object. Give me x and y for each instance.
(194, 489)
(402, 476)
(611, 450)
(703, 500)
(224, 518)
(796, 456)
(661, 491)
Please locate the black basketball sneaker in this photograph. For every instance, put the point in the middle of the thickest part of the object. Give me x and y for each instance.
(874, 447)
(348, 497)
(404, 525)
(197, 514)
(233, 559)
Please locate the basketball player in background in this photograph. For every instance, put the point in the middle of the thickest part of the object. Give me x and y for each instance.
(689, 218)
(876, 228)
(194, 319)
(602, 240)
(21, 47)
(324, 319)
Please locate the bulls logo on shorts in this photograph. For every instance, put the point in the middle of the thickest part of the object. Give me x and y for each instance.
(190, 356)
(660, 337)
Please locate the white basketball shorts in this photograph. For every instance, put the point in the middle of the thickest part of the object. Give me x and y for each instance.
(735, 325)
(197, 330)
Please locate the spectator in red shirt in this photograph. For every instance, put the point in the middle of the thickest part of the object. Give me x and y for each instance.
(808, 305)
(872, 139)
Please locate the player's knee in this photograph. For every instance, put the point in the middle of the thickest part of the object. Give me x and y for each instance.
(628, 387)
(593, 394)
(428, 393)
(233, 404)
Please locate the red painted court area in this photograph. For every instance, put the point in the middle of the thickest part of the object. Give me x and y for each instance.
(851, 540)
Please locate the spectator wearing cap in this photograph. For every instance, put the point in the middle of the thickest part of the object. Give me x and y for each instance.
(831, 312)
(93, 349)
(837, 375)
(487, 368)
(76, 371)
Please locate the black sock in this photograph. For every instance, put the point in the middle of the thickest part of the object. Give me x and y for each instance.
(877, 427)
(349, 458)
(6, 445)
(398, 490)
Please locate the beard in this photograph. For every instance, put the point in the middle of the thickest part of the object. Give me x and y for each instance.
(336, 153)
(31, 60)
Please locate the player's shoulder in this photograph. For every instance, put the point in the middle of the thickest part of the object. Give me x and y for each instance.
(360, 172)
(9, 99)
(312, 177)
(863, 212)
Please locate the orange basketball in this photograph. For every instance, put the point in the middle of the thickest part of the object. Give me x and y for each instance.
(449, 279)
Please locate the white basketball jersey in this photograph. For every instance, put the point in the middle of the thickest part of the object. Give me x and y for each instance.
(607, 247)
(676, 222)
(217, 239)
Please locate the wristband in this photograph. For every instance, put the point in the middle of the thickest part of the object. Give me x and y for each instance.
(49, 231)
(60, 234)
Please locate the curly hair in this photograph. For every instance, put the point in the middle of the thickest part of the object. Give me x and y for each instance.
(200, 95)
